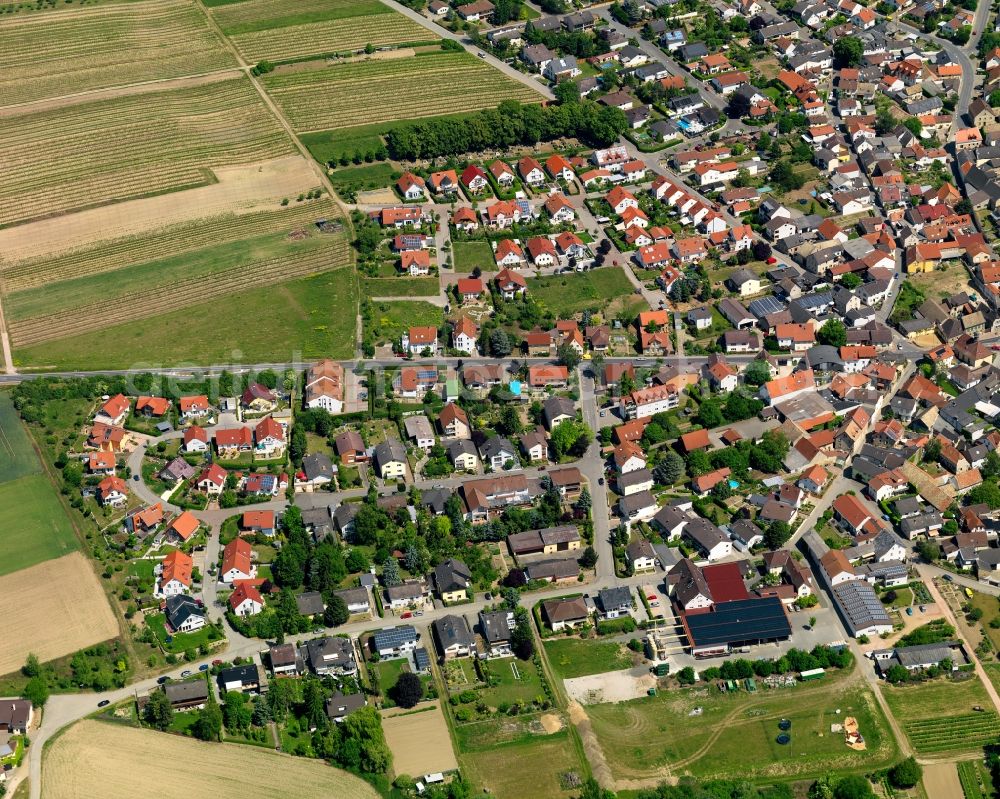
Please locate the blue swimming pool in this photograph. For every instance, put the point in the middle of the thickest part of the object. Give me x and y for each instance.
(734, 484)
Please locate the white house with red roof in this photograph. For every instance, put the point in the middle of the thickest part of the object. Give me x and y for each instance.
(465, 336)
(412, 187)
(559, 208)
(113, 411)
(509, 254)
(619, 199)
(542, 251)
(510, 284)
(530, 171)
(212, 479)
(246, 601)
(415, 262)
(269, 438)
(112, 492)
(237, 561)
(474, 179)
(194, 407)
(195, 439)
(419, 338)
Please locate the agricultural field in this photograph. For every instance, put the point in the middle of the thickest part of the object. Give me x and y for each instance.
(272, 30)
(119, 762)
(17, 455)
(84, 291)
(419, 740)
(565, 295)
(378, 91)
(33, 525)
(974, 778)
(312, 317)
(938, 716)
(734, 735)
(61, 608)
(71, 49)
(103, 151)
(573, 657)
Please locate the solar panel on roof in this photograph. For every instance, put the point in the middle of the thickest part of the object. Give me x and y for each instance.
(742, 620)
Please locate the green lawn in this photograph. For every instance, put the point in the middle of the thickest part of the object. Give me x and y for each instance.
(181, 722)
(467, 255)
(390, 319)
(182, 641)
(17, 455)
(311, 318)
(574, 657)
(938, 716)
(33, 525)
(734, 735)
(565, 295)
(518, 682)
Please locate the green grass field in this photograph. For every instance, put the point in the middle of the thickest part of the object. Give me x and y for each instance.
(362, 178)
(569, 294)
(734, 735)
(310, 318)
(938, 716)
(467, 255)
(573, 657)
(390, 319)
(526, 768)
(17, 456)
(33, 525)
(400, 286)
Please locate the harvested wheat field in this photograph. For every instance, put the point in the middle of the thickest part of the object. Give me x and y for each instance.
(419, 740)
(113, 150)
(244, 189)
(113, 761)
(61, 608)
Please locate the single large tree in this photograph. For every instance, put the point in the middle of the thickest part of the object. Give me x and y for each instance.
(847, 51)
(158, 711)
(408, 690)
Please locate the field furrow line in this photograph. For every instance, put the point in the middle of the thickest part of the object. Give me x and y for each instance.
(145, 304)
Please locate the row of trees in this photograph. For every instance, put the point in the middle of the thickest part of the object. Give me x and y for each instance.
(509, 124)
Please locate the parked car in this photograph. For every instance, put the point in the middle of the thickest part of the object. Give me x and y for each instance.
(162, 680)
(104, 703)
(203, 667)
(186, 673)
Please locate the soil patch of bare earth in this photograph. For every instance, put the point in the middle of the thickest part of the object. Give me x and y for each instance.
(591, 746)
(54, 608)
(240, 190)
(114, 761)
(941, 779)
(419, 741)
(611, 686)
